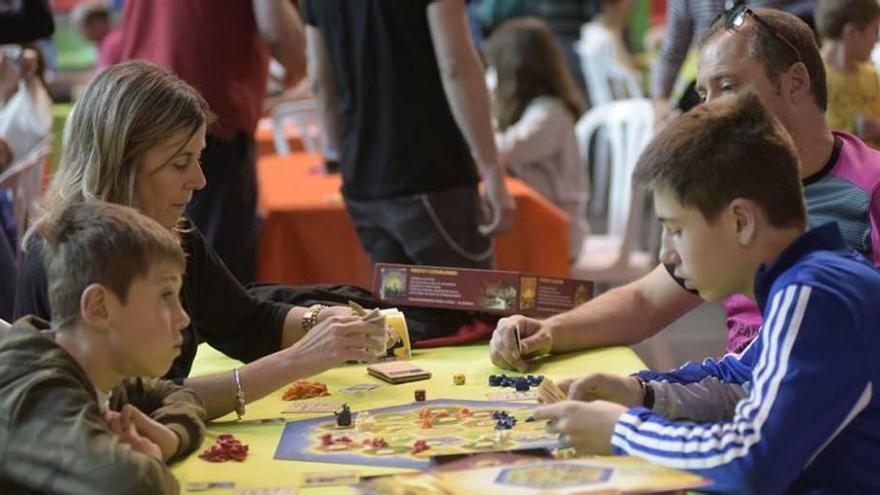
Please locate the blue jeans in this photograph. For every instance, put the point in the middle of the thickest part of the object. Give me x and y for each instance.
(436, 228)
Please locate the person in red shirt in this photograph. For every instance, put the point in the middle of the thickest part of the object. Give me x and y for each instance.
(224, 53)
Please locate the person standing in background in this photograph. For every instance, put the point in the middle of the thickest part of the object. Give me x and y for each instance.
(224, 53)
(565, 18)
(400, 87)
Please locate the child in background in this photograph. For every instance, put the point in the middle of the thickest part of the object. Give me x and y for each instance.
(849, 32)
(604, 36)
(73, 419)
(796, 412)
(536, 106)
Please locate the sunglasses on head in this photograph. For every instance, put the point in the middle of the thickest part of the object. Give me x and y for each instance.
(735, 18)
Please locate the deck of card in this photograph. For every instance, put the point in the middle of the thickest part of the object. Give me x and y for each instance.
(549, 392)
(398, 372)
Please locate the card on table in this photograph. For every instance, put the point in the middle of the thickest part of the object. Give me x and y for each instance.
(200, 486)
(360, 387)
(313, 407)
(261, 421)
(398, 372)
(331, 478)
(275, 490)
(512, 395)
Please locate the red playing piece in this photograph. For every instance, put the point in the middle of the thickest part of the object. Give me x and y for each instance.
(419, 446)
(379, 443)
(225, 448)
(327, 439)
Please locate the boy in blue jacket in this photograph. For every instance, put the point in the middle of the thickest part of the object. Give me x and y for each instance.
(796, 411)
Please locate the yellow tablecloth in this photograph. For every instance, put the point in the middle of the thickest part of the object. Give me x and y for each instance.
(260, 470)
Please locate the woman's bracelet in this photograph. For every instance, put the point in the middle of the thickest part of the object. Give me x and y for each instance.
(239, 394)
(310, 317)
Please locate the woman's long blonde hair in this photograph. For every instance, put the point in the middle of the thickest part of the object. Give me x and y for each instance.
(125, 111)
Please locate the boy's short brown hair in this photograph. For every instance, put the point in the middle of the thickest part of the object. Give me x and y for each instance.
(833, 15)
(97, 242)
(726, 149)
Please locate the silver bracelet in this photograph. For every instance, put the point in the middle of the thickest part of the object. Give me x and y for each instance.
(239, 394)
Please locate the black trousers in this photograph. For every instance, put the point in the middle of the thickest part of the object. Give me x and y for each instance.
(226, 209)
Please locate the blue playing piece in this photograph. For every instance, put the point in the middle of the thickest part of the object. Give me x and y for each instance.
(522, 386)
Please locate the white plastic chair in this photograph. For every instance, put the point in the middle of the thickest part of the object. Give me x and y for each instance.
(606, 78)
(628, 127)
(23, 180)
(297, 118)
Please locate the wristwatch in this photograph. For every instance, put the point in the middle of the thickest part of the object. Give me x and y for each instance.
(647, 392)
(310, 317)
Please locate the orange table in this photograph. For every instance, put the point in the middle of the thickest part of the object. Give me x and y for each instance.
(265, 140)
(307, 236)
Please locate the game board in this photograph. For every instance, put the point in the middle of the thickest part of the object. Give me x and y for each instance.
(400, 427)
(560, 477)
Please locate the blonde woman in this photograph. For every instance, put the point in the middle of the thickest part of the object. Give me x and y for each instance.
(135, 138)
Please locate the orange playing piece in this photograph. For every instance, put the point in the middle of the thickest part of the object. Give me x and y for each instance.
(302, 389)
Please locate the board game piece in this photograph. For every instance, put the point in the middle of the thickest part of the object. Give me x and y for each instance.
(312, 407)
(343, 416)
(225, 448)
(302, 389)
(504, 395)
(364, 422)
(398, 372)
(331, 478)
(200, 486)
(420, 395)
(419, 446)
(458, 379)
(360, 387)
(549, 392)
(451, 426)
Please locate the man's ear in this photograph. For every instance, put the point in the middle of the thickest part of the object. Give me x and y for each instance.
(95, 306)
(798, 84)
(744, 213)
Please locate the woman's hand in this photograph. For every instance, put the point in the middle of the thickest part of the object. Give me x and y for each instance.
(334, 341)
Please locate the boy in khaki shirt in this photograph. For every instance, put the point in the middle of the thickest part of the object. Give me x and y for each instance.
(73, 416)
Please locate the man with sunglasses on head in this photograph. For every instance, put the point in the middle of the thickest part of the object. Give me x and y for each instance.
(775, 54)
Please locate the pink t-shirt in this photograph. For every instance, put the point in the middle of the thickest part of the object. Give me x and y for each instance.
(846, 192)
(110, 49)
(214, 46)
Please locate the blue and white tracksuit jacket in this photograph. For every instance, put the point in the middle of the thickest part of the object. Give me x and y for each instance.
(811, 420)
